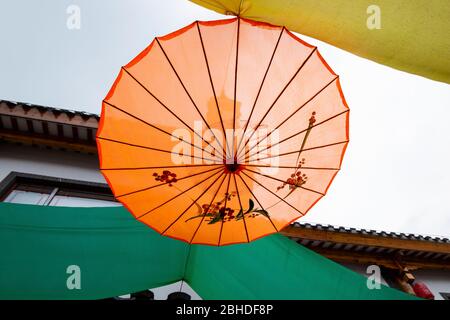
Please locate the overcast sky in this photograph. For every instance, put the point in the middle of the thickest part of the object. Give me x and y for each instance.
(395, 174)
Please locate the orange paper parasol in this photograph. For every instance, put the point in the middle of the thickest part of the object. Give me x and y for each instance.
(223, 131)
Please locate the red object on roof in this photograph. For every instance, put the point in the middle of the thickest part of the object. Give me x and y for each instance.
(421, 290)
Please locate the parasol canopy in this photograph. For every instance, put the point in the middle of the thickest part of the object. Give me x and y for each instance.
(223, 131)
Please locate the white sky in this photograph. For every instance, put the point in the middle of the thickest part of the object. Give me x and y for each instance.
(395, 173)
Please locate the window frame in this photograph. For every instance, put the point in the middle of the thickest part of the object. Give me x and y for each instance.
(93, 190)
(445, 295)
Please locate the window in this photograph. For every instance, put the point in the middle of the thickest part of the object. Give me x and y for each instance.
(445, 295)
(49, 191)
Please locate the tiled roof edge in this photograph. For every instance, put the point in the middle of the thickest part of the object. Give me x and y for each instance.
(395, 235)
(51, 109)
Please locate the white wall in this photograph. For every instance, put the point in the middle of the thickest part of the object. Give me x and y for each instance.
(362, 270)
(436, 280)
(49, 162)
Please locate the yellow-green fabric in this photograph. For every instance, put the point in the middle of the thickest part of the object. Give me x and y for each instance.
(117, 255)
(413, 35)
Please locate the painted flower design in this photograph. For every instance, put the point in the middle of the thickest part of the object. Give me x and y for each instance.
(218, 211)
(297, 179)
(166, 177)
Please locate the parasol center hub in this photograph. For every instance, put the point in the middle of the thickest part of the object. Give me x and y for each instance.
(233, 167)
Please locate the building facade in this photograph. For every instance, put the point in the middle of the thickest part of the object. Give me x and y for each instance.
(48, 156)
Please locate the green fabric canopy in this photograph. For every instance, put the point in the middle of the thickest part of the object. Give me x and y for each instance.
(413, 35)
(118, 255)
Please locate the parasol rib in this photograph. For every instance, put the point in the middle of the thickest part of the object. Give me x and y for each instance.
(278, 97)
(235, 89)
(295, 151)
(300, 132)
(203, 218)
(225, 206)
(190, 97)
(292, 114)
(150, 148)
(251, 192)
(259, 90)
(240, 206)
(162, 167)
(212, 84)
(290, 167)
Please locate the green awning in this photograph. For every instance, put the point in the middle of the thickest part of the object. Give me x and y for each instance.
(413, 35)
(118, 255)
